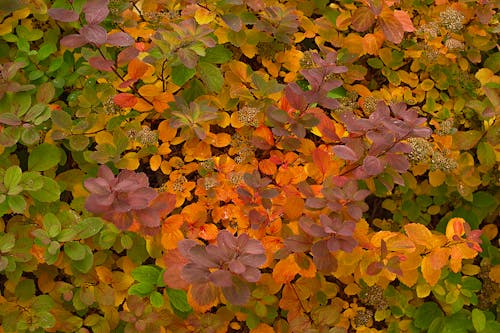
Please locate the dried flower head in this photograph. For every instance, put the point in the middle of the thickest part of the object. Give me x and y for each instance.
(146, 136)
(431, 29)
(421, 150)
(248, 116)
(452, 19)
(446, 127)
(441, 162)
(453, 44)
(363, 317)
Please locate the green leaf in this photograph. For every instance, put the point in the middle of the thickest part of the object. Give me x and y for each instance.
(45, 319)
(217, 55)
(211, 75)
(493, 62)
(17, 203)
(88, 227)
(25, 289)
(52, 225)
(426, 313)
(156, 299)
(178, 299)
(484, 200)
(49, 192)
(146, 274)
(44, 157)
(337, 93)
(486, 154)
(86, 263)
(471, 283)
(375, 63)
(12, 176)
(7, 242)
(78, 142)
(45, 50)
(478, 320)
(141, 289)
(42, 303)
(75, 250)
(181, 74)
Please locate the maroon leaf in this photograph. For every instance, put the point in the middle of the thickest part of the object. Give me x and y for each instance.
(295, 96)
(188, 57)
(237, 294)
(94, 34)
(102, 64)
(362, 19)
(120, 39)
(233, 21)
(204, 294)
(374, 268)
(126, 55)
(373, 166)
(63, 15)
(345, 153)
(96, 11)
(73, 41)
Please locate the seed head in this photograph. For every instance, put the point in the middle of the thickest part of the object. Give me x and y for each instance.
(248, 116)
(453, 44)
(441, 162)
(421, 149)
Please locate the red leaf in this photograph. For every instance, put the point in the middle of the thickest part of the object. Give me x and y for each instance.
(120, 39)
(126, 55)
(94, 34)
(374, 268)
(73, 41)
(362, 19)
(96, 11)
(391, 27)
(101, 63)
(405, 20)
(63, 15)
(125, 100)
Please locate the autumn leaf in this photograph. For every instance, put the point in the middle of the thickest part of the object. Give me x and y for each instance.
(391, 26)
(419, 234)
(285, 270)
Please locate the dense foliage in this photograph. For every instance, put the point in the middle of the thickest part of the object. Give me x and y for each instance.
(249, 166)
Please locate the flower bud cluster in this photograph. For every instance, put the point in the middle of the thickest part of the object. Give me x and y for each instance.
(146, 136)
(363, 317)
(374, 296)
(431, 29)
(110, 107)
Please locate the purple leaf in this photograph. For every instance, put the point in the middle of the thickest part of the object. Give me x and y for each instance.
(94, 34)
(102, 64)
(251, 274)
(188, 57)
(96, 11)
(398, 162)
(221, 278)
(236, 267)
(295, 96)
(126, 55)
(345, 153)
(10, 119)
(98, 186)
(373, 166)
(73, 41)
(120, 39)
(63, 15)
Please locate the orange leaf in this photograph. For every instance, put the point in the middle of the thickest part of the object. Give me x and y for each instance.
(137, 68)
(293, 207)
(104, 274)
(195, 214)
(264, 133)
(166, 132)
(262, 328)
(285, 270)
(208, 231)
(455, 227)
(160, 102)
(419, 234)
(405, 20)
(267, 167)
(430, 274)
(362, 19)
(125, 100)
(494, 273)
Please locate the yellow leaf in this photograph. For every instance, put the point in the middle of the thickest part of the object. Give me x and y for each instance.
(423, 290)
(469, 269)
(427, 84)
(104, 274)
(436, 178)
(155, 162)
(130, 161)
(419, 234)
(494, 273)
(204, 16)
(103, 138)
(490, 231)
